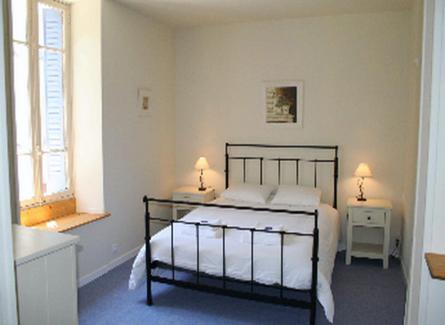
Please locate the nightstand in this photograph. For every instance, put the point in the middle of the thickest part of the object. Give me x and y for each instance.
(190, 194)
(373, 213)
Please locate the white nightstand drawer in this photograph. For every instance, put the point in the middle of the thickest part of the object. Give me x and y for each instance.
(368, 216)
(192, 194)
(187, 197)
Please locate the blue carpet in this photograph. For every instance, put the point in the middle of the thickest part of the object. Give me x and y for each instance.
(364, 294)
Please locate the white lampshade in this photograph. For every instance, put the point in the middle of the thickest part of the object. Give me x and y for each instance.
(363, 171)
(201, 163)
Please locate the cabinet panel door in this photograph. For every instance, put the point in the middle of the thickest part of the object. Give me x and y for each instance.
(32, 292)
(62, 287)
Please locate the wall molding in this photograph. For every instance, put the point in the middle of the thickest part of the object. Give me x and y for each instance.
(107, 267)
(8, 299)
(422, 306)
(404, 271)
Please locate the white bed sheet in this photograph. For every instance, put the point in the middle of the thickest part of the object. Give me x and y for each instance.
(297, 250)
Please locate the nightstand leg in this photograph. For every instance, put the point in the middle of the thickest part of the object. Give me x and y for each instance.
(386, 240)
(175, 213)
(348, 243)
(386, 249)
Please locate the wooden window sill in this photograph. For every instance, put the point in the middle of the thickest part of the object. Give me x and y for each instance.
(436, 265)
(71, 221)
(58, 216)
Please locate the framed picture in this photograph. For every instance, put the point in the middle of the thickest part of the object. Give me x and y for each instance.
(145, 102)
(283, 103)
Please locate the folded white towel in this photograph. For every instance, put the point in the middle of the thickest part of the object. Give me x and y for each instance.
(204, 231)
(263, 238)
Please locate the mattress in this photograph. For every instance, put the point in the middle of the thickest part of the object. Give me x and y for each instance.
(297, 250)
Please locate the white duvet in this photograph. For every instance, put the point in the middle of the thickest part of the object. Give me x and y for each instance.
(297, 249)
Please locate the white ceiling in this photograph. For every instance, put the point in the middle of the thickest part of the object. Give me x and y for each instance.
(186, 13)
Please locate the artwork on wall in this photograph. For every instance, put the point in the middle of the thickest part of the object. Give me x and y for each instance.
(145, 102)
(284, 103)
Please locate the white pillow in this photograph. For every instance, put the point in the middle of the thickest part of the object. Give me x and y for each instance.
(248, 192)
(297, 195)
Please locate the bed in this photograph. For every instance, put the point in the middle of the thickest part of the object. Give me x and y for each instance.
(261, 244)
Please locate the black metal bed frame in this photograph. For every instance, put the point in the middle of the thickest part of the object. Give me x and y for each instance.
(224, 279)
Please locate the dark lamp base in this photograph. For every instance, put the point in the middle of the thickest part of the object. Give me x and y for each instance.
(361, 199)
(202, 188)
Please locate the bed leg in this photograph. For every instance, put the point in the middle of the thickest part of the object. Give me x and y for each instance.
(149, 298)
(312, 316)
(148, 251)
(314, 270)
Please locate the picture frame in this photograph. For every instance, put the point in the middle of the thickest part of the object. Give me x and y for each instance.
(145, 102)
(283, 102)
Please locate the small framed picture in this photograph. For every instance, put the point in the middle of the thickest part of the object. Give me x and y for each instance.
(145, 101)
(283, 103)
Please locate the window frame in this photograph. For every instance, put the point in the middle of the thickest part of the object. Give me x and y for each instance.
(32, 42)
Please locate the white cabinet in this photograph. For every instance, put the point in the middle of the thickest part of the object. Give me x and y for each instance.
(46, 277)
(374, 214)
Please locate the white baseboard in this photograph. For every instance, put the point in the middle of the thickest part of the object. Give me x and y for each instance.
(341, 246)
(405, 274)
(107, 267)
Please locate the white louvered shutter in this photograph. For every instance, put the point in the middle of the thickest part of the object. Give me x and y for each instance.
(52, 101)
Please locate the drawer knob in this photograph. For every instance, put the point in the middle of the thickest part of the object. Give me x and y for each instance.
(369, 217)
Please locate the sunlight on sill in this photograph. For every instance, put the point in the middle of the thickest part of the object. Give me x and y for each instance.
(71, 221)
(58, 216)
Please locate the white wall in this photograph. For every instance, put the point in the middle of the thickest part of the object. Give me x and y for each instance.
(87, 105)
(356, 74)
(87, 132)
(138, 152)
(411, 143)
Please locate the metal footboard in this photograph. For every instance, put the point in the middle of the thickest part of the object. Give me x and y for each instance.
(223, 289)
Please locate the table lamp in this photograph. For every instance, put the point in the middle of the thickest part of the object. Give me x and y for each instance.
(201, 164)
(361, 172)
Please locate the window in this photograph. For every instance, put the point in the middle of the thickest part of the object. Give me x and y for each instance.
(41, 89)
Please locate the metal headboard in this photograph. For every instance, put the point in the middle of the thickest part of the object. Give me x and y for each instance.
(261, 159)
